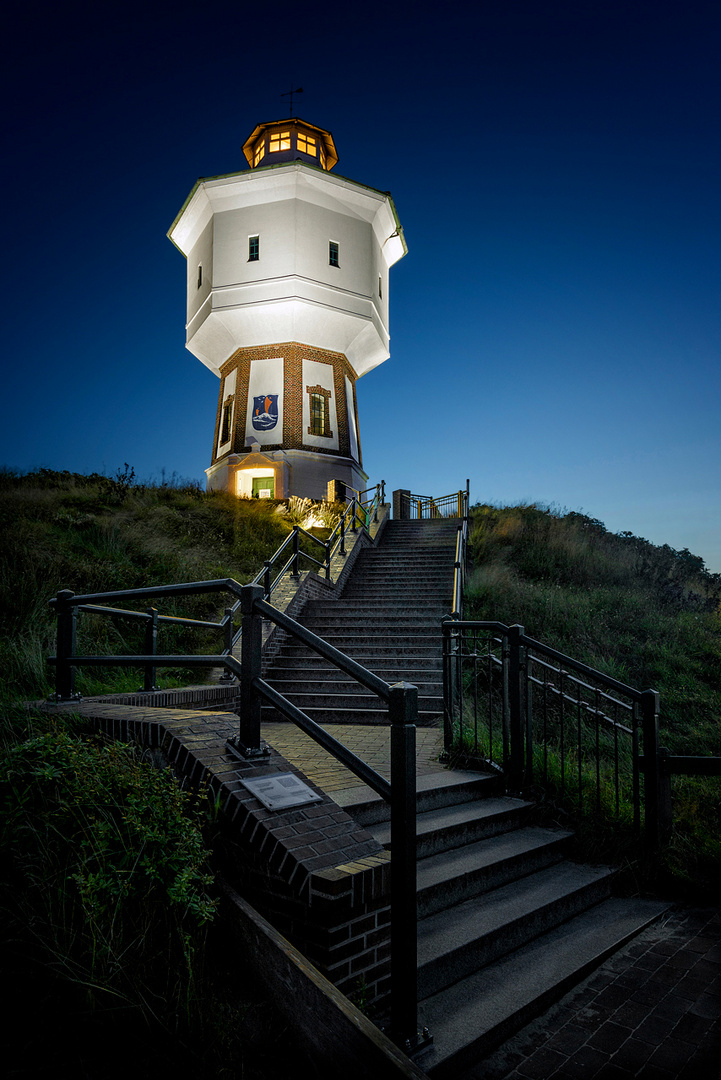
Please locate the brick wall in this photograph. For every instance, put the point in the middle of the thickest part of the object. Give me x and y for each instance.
(317, 876)
(293, 354)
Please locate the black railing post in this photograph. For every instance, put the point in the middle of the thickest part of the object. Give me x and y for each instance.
(514, 767)
(342, 535)
(378, 499)
(383, 492)
(403, 715)
(652, 769)
(448, 698)
(327, 560)
(251, 662)
(354, 514)
(67, 623)
(295, 572)
(266, 580)
(151, 648)
(227, 676)
(665, 807)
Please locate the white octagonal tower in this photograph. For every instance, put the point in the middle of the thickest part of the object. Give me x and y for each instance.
(288, 305)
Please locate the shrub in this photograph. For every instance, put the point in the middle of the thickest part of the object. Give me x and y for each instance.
(105, 872)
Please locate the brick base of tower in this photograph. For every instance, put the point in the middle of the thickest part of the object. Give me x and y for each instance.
(287, 423)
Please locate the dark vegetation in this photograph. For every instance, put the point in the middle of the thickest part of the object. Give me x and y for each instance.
(109, 936)
(646, 615)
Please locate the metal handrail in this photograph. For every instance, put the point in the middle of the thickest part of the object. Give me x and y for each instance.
(576, 688)
(402, 699)
(455, 504)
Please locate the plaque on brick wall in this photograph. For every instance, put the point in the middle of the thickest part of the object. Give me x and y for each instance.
(281, 791)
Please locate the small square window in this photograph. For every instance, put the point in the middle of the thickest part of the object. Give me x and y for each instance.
(305, 143)
(253, 248)
(279, 140)
(333, 253)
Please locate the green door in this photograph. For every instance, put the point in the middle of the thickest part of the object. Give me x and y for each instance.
(263, 487)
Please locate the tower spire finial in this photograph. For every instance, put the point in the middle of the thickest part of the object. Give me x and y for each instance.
(289, 93)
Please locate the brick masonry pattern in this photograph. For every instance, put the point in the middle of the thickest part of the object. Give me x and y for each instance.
(321, 879)
(293, 354)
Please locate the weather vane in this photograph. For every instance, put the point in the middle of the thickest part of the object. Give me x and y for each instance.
(289, 93)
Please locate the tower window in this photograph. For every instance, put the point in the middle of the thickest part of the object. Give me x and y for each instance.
(319, 411)
(226, 421)
(279, 140)
(333, 253)
(253, 248)
(317, 415)
(305, 143)
(259, 152)
(200, 275)
(322, 156)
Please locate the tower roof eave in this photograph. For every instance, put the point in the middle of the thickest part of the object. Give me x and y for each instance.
(247, 174)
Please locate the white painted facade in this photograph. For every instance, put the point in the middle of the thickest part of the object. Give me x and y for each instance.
(291, 292)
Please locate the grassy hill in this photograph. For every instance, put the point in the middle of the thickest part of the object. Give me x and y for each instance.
(98, 533)
(646, 615)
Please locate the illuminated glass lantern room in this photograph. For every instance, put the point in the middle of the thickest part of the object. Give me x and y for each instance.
(290, 140)
(287, 303)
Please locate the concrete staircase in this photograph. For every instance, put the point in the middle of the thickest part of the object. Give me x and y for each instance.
(388, 618)
(507, 924)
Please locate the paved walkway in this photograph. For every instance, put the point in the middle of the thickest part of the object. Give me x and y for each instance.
(369, 742)
(652, 1012)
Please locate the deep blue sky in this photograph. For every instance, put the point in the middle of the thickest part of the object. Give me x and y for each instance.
(556, 324)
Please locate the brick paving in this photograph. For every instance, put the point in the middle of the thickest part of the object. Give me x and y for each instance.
(651, 1012)
(369, 742)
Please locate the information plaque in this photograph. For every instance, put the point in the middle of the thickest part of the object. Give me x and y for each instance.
(281, 791)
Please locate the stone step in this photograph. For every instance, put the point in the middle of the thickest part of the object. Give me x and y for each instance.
(430, 612)
(373, 652)
(405, 667)
(454, 826)
(425, 634)
(454, 943)
(393, 643)
(476, 1014)
(433, 790)
(312, 700)
(293, 687)
(372, 717)
(429, 622)
(454, 876)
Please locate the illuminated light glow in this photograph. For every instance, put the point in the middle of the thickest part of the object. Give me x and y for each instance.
(279, 140)
(244, 480)
(259, 152)
(306, 143)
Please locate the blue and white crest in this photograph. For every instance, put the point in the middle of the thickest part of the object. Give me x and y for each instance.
(265, 412)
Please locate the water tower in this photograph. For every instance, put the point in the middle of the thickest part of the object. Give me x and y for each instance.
(288, 269)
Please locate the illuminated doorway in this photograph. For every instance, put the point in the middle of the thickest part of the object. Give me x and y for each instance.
(263, 487)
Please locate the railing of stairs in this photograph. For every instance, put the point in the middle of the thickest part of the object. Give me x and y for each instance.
(425, 507)
(542, 717)
(402, 700)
